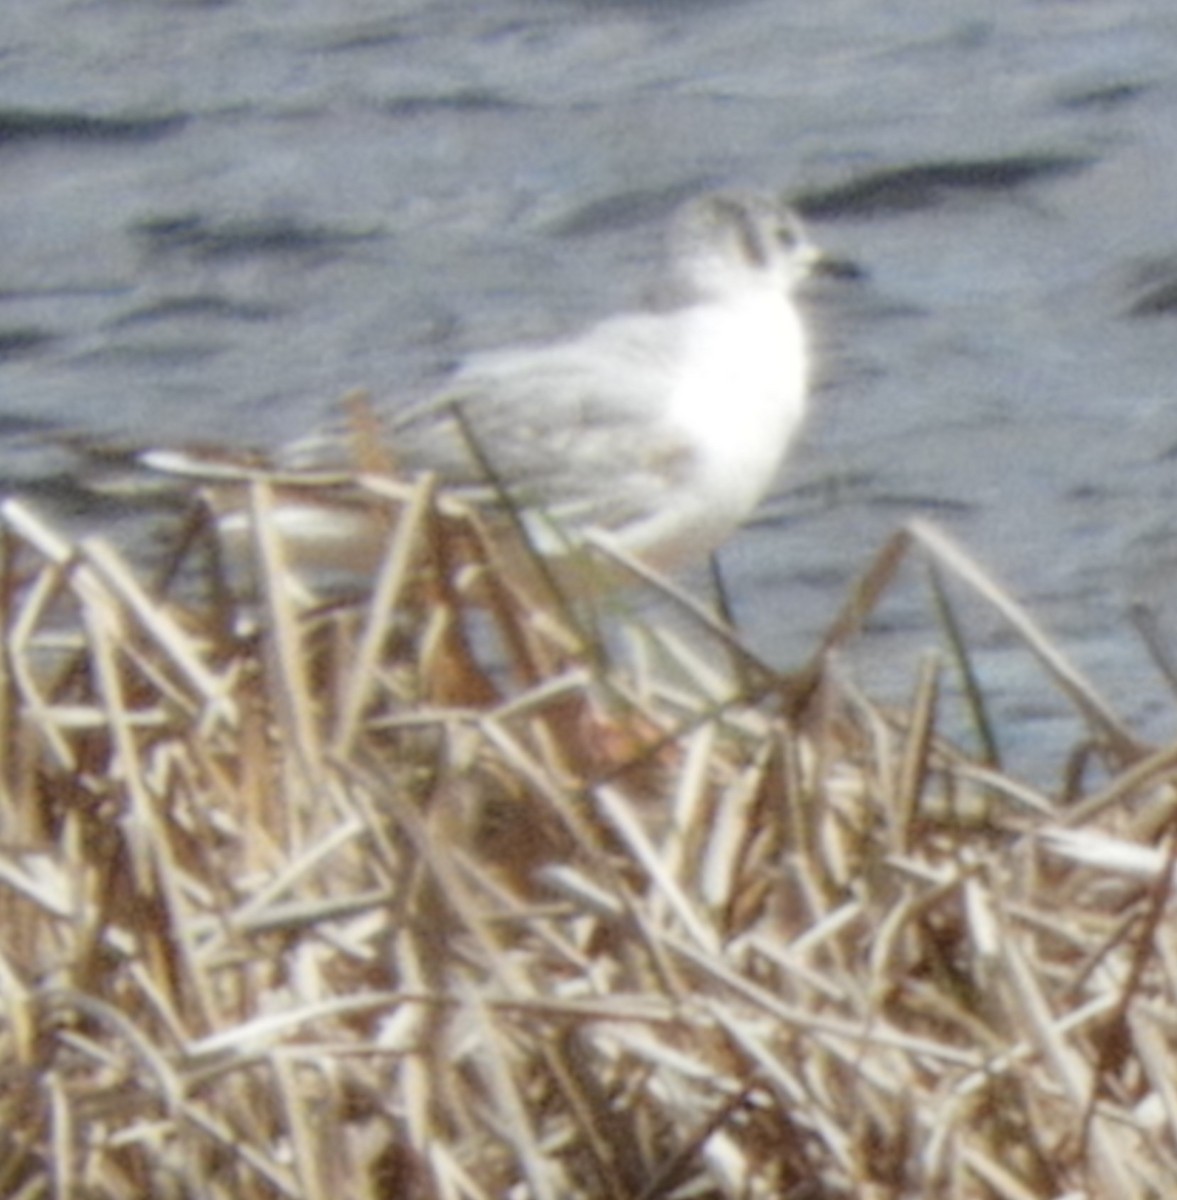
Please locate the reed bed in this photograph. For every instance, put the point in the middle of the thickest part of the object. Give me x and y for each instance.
(464, 891)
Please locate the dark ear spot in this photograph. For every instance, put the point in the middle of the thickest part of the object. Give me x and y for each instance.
(749, 233)
(788, 234)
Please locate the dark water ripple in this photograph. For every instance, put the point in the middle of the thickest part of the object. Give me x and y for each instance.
(204, 238)
(31, 125)
(23, 340)
(921, 186)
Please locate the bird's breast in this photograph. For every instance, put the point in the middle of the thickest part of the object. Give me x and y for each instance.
(740, 393)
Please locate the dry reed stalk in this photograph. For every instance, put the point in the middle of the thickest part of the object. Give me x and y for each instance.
(422, 895)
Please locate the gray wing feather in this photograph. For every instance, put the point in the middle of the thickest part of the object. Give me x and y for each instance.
(576, 429)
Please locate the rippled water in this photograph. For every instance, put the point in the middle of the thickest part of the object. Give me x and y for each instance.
(216, 218)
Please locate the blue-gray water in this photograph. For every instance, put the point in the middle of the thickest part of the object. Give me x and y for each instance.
(217, 217)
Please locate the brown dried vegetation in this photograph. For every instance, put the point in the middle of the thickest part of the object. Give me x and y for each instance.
(436, 894)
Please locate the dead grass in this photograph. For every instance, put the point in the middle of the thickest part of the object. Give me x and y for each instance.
(438, 895)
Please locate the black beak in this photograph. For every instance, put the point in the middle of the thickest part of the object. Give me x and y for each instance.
(835, 266)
